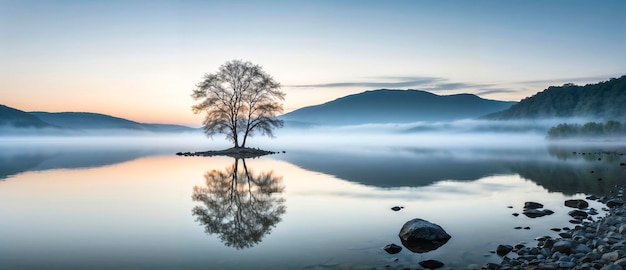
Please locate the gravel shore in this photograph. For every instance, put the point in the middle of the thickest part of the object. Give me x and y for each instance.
(599, 244)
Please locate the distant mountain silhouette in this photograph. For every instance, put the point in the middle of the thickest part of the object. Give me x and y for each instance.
(14, 121)
(87, 121)
(83, 120)
(396, 106)
(603, 100)
(20, 119)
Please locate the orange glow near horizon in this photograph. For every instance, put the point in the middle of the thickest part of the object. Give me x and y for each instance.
(141, 63)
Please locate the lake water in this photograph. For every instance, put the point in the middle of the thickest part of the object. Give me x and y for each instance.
(87, 205)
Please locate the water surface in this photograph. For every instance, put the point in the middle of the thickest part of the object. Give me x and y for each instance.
(141, 207)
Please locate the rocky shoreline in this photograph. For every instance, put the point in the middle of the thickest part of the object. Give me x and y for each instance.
(599, 244)
(235, 152)
(591, 244)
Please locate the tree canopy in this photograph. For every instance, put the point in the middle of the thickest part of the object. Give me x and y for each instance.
(603, 100)
(239, 100)
(591, 129)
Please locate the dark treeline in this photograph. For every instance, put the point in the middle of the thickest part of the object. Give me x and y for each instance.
(603, 100)
(590, 129)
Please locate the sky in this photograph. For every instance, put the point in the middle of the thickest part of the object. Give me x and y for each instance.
(140, 60)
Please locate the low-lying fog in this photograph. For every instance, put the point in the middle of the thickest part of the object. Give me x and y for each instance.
(368, 137)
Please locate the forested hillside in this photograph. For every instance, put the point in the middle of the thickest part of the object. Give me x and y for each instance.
(603, 101)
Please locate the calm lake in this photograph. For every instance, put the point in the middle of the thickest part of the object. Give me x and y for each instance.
(135, 205)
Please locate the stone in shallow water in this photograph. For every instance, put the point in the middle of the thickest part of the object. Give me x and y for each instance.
(577, 213)
(431, 264)
(533, 213)
(421, 236)
(502, 250)
(615, 203)
(565, 235)
(532, 205)
(396, 208)
(422, 230)
(577, 203)
(392, 248)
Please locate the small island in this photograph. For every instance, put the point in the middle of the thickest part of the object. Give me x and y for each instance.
(235, 152)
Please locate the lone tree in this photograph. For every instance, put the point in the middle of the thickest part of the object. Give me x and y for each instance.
(239, 100)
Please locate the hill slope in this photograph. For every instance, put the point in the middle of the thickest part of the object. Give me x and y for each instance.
(20, 119)
(396, 106)
(96, 121)
(603, 100)
(17, 122)
(84, 120)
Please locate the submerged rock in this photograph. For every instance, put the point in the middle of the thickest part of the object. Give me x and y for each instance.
(535, 213)
(392, 248)
(532, 205)
(396, 208)
(431, 264)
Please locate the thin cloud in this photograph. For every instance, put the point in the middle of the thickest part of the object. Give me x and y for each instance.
(422, 83)
(400, 82)
(495, 91)
(569, 80)
(456, 86)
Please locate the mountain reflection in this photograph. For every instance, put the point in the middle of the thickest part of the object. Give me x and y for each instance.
(576, 170)
(241, 207)
(14, 161)
(558, 169)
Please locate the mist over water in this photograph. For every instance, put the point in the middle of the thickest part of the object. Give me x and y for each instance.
(127, 197)
(456, 134)
(462, 134)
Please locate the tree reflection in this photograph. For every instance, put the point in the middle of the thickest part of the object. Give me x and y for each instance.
(238, 205)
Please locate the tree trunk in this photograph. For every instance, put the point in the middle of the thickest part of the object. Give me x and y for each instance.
(236, 138)
(245, 136)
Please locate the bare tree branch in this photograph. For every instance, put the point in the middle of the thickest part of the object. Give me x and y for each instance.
(239, 99)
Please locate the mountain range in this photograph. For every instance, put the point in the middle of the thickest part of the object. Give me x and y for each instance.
(602, 101)
(77, 121)
(17, 118)
(396, 106)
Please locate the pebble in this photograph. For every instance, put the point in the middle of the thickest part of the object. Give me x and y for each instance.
(431, 264)
(392, 248)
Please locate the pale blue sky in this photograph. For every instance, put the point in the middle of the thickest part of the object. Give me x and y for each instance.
(140, 59)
